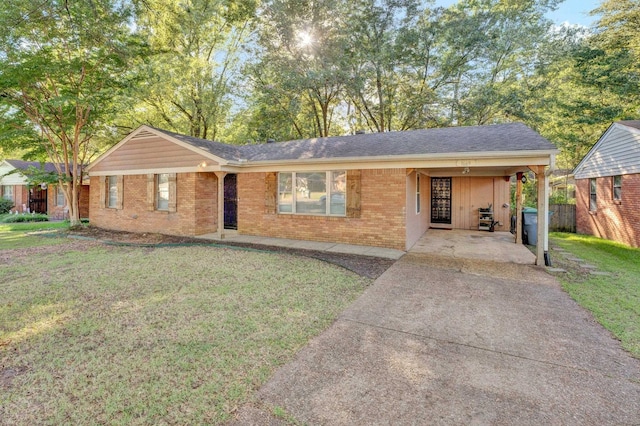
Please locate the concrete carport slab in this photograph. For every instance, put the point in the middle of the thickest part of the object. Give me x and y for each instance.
(453, 340)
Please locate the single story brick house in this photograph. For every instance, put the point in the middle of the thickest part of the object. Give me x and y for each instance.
(378, 189)
(47, 199)
(608, 186)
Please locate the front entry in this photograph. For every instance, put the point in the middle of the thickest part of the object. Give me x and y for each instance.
(441, 200)
(230, 202)
(38, 200)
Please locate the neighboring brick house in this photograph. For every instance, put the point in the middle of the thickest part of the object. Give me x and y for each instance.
(379, 189)
(608, 186)
(47, 199)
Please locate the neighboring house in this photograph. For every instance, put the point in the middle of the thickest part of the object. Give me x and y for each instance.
(562, 185)
(608, 186)
(47, 199)
(379, 189)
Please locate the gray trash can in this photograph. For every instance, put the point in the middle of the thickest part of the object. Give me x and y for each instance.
(530, 226)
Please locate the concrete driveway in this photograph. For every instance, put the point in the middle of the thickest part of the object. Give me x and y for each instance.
(446, 340)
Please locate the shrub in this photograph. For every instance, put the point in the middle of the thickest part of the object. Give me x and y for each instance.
(26, 217)
(5, 205)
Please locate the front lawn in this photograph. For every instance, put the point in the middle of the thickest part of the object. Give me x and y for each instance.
(613, 299)
(96, 334)
(23, 234)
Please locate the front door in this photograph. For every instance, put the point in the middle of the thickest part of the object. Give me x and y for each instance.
(230, 202)
(441, 200)
(38, 200)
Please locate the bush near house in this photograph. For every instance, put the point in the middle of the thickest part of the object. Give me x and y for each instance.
(27, 217)
(5, 205)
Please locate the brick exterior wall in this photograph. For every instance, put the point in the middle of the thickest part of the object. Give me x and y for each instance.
(381, 222)
(196, 207)
(58, 213)
(613, 220)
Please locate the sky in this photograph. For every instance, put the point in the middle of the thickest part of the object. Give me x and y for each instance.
(571, 11)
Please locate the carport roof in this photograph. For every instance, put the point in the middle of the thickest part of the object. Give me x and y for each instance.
(501, 138)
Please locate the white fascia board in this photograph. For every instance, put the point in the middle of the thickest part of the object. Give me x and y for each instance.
(472, 159)
(129, 172)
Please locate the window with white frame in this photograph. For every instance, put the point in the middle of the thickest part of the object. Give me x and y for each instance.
(162, 191)
(7, 192)
(593, 198)
(617, 188)
(112, 192)
(60, 197)
(417, 193)
(312, 193)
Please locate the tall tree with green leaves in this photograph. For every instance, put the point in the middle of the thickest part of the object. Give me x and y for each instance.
(300, 72)
(63, 65)
(190, 79)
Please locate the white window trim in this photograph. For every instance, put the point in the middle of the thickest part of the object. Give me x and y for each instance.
(294, 194)
(158, 208)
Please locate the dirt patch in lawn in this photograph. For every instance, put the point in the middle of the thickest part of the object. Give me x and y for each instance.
(366, 266)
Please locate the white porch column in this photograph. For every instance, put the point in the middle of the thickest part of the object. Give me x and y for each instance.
(220, 226)
(543, 214)
(519, 208)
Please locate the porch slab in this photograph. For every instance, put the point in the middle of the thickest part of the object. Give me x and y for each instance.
(306, 245)
(477, 245)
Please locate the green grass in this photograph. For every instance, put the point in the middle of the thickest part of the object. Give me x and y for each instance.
(24, 235)
(184, 335)
(614, 300)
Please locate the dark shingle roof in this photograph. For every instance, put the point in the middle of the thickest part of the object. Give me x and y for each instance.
(472, 139)
(228, 152)
(23, 165)
(494, 138)
(631, 123)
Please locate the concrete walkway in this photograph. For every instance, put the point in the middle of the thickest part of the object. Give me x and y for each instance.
(234, 237)
(457, 340)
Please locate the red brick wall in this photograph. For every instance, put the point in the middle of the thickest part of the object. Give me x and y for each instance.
(613, 220)
(381, 222)
(58, 213)
(195, 213)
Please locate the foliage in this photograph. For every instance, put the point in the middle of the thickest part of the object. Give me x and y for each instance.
(191, 75)
(179, 335)
(63, 65)
(613, 299)
(25, 217)
(5, 205)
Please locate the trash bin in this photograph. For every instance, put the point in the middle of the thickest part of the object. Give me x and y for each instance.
(530, 226)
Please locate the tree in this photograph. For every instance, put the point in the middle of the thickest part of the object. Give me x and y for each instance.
(190, 78)
(62, 64)
(299, 77)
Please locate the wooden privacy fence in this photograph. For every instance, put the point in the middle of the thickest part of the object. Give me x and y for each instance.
(563, 218)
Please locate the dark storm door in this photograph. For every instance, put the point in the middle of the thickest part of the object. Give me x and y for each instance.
(441, 200)
(38, 200)
(230, 202)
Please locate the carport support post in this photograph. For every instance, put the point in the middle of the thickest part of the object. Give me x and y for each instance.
(543, 214)
(519, 208)
(220, 230)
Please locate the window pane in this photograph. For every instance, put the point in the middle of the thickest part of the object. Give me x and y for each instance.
(593, 202)
(60, 197)
(617, 187)
(7, 192)
(285, 193)
(163, 192)
(338, 190)
(113, 191)
(311, 193)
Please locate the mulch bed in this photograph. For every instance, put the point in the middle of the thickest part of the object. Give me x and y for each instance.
(366, 266)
